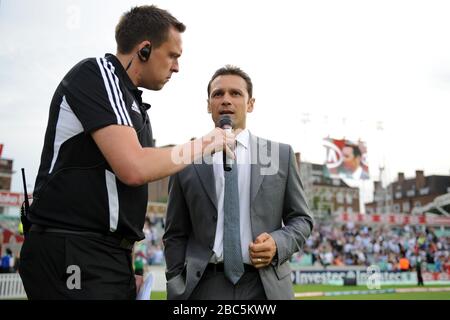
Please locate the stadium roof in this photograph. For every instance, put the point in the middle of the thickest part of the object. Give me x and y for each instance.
(440, 205)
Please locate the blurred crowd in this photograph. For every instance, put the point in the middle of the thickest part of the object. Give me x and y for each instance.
(391, 248)
(150, 250)
(9, 263)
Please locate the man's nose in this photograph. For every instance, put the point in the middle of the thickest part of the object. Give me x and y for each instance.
(226, 99)
(175, 66)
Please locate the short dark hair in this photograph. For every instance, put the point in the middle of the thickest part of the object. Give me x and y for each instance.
(235, 71)
(144, 23)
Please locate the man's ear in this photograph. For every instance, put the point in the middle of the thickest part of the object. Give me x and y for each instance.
(144, 44)
(250, 105)
(144, 50)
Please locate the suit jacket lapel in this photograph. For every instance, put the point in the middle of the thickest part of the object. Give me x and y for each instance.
(206, 174)
(257, 146)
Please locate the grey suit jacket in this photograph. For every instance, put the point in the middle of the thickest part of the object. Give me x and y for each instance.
(277, 206)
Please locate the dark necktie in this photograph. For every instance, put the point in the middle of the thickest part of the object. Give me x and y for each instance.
(232, 256)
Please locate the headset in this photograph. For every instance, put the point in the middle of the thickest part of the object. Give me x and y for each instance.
(143, 54)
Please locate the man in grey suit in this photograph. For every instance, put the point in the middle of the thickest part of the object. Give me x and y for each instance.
(272, 221)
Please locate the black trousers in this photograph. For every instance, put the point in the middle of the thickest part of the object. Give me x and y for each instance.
(61, 266)
(215, 286)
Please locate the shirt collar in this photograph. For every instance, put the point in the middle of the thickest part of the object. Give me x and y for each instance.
(243, 138)
(124, 75)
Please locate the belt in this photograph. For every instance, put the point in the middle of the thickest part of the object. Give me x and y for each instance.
(219, 267)
(113, 238)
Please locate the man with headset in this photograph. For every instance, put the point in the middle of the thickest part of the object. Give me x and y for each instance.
(90, 195)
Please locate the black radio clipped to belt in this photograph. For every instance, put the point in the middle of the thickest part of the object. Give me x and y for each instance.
(24, 209)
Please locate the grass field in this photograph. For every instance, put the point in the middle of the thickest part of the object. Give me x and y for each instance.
(330, 288)
(385, 296)
(388, 296)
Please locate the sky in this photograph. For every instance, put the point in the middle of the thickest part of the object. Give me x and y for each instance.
(378, 71)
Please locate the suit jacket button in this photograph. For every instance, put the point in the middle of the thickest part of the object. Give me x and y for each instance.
(215, 218)
(199, 274)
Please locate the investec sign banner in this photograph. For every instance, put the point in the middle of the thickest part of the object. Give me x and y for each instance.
(362, 277)
(11, 199)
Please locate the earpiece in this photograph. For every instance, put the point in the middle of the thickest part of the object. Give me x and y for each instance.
(144, 53)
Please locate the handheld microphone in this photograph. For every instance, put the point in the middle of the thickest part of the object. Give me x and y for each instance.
(226, 124)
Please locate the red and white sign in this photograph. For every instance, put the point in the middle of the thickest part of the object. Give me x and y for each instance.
(11, 199)
(346, 159)
(436, 276)
(393, 219)
(10, 237)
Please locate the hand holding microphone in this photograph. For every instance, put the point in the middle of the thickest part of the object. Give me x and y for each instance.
(219, 139)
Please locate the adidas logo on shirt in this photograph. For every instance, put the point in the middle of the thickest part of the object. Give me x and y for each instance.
(135, 107)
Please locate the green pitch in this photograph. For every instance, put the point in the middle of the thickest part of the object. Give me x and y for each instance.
(385, 296)
(158, 295)
(330, 288)
(388, 296)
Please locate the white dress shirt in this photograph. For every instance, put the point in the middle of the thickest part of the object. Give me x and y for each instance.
(243, 160)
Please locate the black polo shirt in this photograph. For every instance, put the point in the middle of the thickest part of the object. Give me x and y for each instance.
(76, 188)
